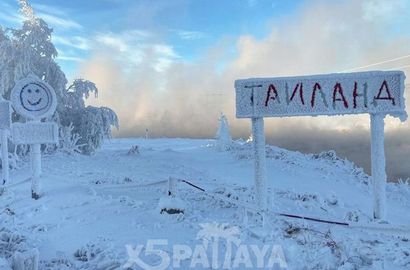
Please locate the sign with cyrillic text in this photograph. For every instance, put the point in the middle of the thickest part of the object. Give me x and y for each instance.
(332, 94)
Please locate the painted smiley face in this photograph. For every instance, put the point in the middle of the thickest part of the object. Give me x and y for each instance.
(34, 97)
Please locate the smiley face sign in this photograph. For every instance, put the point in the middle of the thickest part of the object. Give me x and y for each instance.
(33, 98)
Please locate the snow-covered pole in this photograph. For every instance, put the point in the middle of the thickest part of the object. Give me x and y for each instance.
(35, 150)
(4, 156)
(258, 135)
(36, 173)
(172, 186)
(378, 165)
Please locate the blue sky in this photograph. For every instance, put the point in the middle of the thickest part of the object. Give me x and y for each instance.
(169, 65)
(185, 28)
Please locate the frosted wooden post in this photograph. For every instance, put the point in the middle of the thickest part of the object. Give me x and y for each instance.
(4, 156)
(258, 135)
(5, 124)
(36, 173)
(172, 186)
(378, 166)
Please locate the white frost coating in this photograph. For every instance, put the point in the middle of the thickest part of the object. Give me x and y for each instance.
(26, 261)
(378, 166)
(36, 170)
(332, 94)
(258, 135)
(172, 187)
(33, 98)
(4, 157)
(5, 115)
(224, 139)
(5, 123)
(34, 133)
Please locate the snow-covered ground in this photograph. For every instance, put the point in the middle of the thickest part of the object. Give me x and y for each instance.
(93, 207)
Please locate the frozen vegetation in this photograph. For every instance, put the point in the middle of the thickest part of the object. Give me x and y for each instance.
(93, 207)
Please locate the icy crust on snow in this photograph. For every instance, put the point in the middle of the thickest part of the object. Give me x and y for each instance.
(93, 207)
(331, 94)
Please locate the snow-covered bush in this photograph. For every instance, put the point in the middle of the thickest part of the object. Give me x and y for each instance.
(26, 261)
(10, 243)
(30, 50)
(93, 125)
(171, 205)
(69, 140)
(223, 137)
(134, 150)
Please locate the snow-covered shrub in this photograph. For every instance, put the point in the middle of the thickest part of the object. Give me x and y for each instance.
(26, 261)
(171, 205)
(404, 184)
(223, 138)
(87, 253)
(134, 150)
(10, 243)
(13, 161)
(69, 140)
(96, 256)
(30, 50)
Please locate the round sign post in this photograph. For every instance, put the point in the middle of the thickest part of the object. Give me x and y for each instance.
(35, 100)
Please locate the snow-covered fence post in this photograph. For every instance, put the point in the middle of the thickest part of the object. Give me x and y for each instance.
(5, 123)
(36, 170)
(4, 156)
(258, 135)
(26, 261)
(377, 93)
(223, 138)
(378, 165)
(34, 99)
(172, 187)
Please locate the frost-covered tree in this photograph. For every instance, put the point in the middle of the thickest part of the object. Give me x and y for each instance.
(92, 124)
(30, 50)
(223, 136)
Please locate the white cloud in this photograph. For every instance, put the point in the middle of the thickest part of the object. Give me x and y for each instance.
(70, 58)
(10, 18)
(8, 14)
(191, 35)
(58, 22)
(385, 10)
(50, 9)
(76, 42)
(322, 37)
(113, 41)
(130, 47)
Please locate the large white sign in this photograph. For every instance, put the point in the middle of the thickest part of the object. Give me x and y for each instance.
(332, 94)
(377, 92)
(33, 98)
(34, 133)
